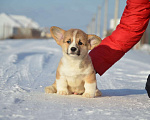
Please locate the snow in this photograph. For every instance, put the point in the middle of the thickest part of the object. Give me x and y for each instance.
(28, 66)
(5, 20)
(24, 21)
(17, 21)
(8, 22)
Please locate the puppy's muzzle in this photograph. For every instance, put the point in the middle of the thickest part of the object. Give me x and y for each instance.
(73, 49)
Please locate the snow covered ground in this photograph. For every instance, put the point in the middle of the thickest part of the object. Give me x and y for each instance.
(27, 66)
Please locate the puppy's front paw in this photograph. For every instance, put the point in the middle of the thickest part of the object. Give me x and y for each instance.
(65, 92)
(50, 89)
(88, 95)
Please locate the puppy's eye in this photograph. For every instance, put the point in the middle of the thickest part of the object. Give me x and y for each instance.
(69, 41)
(80, 43)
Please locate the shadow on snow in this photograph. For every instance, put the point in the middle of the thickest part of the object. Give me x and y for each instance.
(122, 92)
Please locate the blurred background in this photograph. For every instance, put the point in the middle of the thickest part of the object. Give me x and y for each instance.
(28, 19)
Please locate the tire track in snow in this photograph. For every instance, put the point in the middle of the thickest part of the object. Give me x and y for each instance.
(23, 98)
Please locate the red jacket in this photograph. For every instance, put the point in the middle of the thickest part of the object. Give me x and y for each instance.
(133, 24)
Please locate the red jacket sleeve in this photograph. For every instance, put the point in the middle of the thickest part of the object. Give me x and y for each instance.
(133, 24)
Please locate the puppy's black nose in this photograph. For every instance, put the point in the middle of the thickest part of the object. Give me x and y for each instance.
(73, 49)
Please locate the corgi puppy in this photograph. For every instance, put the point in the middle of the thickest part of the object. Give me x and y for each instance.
(75, 73)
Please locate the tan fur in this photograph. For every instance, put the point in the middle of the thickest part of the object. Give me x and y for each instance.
(90, 78)
(57, 75)
(93, 43)
(75, 73)
(57, 72)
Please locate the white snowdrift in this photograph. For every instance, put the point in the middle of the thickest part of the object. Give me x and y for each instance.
(27, 66)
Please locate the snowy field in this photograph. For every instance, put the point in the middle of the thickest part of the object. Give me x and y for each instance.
(28, 66)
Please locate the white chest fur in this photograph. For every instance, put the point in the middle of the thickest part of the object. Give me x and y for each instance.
(75, 70)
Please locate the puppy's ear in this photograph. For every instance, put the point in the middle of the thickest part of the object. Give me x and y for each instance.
(93, 41)
(57, 34)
